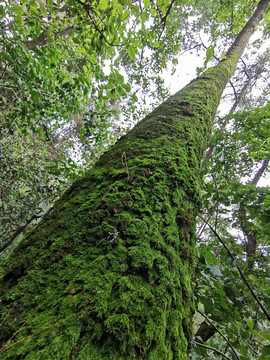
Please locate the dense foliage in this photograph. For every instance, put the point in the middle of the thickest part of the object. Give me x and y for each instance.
(75, 74)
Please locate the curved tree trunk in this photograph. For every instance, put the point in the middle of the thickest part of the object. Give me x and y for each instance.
(107, 274)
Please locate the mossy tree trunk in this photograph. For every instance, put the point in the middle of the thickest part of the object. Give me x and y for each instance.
(107, 274)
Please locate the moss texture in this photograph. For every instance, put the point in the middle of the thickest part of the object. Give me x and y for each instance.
(107, 274)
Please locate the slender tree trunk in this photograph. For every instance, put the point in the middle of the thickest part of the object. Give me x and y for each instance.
(249, 232)
(107, 274)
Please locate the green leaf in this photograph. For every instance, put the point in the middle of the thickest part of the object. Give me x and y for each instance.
(120, 91)
(124, 2)
(17, 9)
(35, 95)
(146, 3)
(265, 353)
(50, 4)
(209, 53)
(43, 11)
(249, 324)
(19, 20)
(6, 57)
(215, 270)
(31, 22)
(125, 15)
(144, 16)
(110, 94)
(103, 4)
(120, 78)
(131, 53)
(210, 258)
(127, 87)
(265, 335)
(2, 11)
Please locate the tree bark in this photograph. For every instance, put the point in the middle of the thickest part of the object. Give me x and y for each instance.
(107, 274)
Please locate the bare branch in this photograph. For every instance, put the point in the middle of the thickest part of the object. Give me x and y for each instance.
(211, 348)
(220, 333)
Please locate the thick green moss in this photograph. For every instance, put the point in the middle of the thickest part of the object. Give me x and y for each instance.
(107, 274)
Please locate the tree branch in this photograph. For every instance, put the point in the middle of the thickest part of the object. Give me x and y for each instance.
(220, 333)
(87, 8)
(211, 348)
(260, 172)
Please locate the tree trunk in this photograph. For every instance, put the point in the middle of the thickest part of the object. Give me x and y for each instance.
(248, 231)
(107, 274)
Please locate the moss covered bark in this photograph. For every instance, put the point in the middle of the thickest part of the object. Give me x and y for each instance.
(107, 274)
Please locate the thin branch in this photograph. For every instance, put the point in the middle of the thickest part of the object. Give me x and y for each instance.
(211, 348)
(235, 95)
(192, 48)
(87, 9)
(240, 271)
(3, 348)
(5, 318)
(164, 19)
(245, 68)
(4, 71)
(167, 12)
(220, 333)
(16, 342)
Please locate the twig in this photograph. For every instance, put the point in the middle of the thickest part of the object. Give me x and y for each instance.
(16, 332)
(87, 9)
(7, 315)
(220, 333)
(16, 342)
(245, 68)
(3, 73)
(211, 348)
(235, 95)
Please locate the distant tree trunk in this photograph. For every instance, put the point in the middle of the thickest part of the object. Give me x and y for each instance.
(107, 274)
(248, 231)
